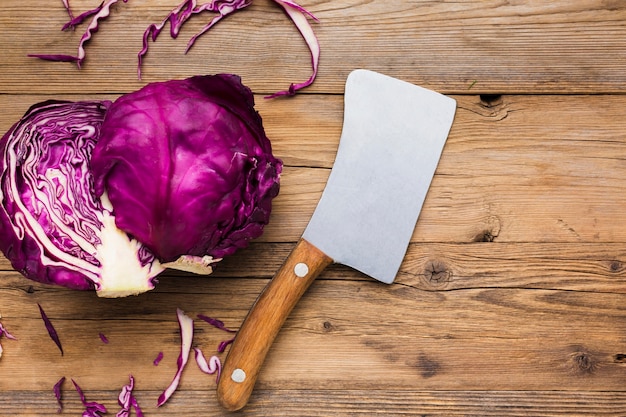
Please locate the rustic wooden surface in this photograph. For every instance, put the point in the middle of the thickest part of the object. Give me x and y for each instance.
(512, 297)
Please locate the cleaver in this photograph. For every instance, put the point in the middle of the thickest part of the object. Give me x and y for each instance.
(392, 137)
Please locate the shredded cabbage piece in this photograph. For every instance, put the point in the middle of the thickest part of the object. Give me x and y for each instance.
(186, 336)
(219, 325)
(66, 3)
(5, 333)
(75, 21)
(224, 344)
(50, 328)
(57, 394)
(179, 15)
(126, 400)
(158, 359)
(212, 366)
(100, 12)
(92, 408)
(299, 17)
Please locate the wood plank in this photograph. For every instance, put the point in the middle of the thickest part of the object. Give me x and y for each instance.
(320, 402)
(482, 46)
(485, 338)
(524, 168)
(586, 267)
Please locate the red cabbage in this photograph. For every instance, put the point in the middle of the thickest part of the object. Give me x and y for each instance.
(66, 3)
(197, 151)
(103, 338)
(105, 196)
(218, 324)
(75, 21)
(224, 344)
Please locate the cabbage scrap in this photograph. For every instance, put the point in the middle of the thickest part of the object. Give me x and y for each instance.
(5, 333)
(50, 328)
(211, 366)
(158, 359)
(92, 408)
(96, 14)
(126, 400)
(179, 15)
(56, 389)
(177, 18)
(186, 337)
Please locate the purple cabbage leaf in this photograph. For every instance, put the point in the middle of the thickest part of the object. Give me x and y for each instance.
(197, 150)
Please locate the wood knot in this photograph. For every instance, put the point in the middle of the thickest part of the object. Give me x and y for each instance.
(427, 367)
(583, 362)
(491, 230)
(328, 326)
(490, 100)
(619, 358)
(616, 266)
(437, 274)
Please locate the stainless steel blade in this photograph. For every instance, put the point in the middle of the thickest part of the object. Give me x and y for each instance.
(392, 138)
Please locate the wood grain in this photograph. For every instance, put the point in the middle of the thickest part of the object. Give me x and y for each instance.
(511, 300)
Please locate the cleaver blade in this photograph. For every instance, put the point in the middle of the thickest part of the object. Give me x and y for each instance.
(392, 138)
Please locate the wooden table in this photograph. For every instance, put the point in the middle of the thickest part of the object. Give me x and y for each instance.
(512, 297)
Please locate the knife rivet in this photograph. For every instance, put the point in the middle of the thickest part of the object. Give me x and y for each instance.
(238, 375)
(301, 270)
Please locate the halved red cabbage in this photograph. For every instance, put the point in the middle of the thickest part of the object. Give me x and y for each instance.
(53, 228)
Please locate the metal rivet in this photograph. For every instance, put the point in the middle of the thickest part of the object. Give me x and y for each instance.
(301, 270)
(238, 375)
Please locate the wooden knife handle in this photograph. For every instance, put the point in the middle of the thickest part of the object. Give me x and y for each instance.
(266, 317)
